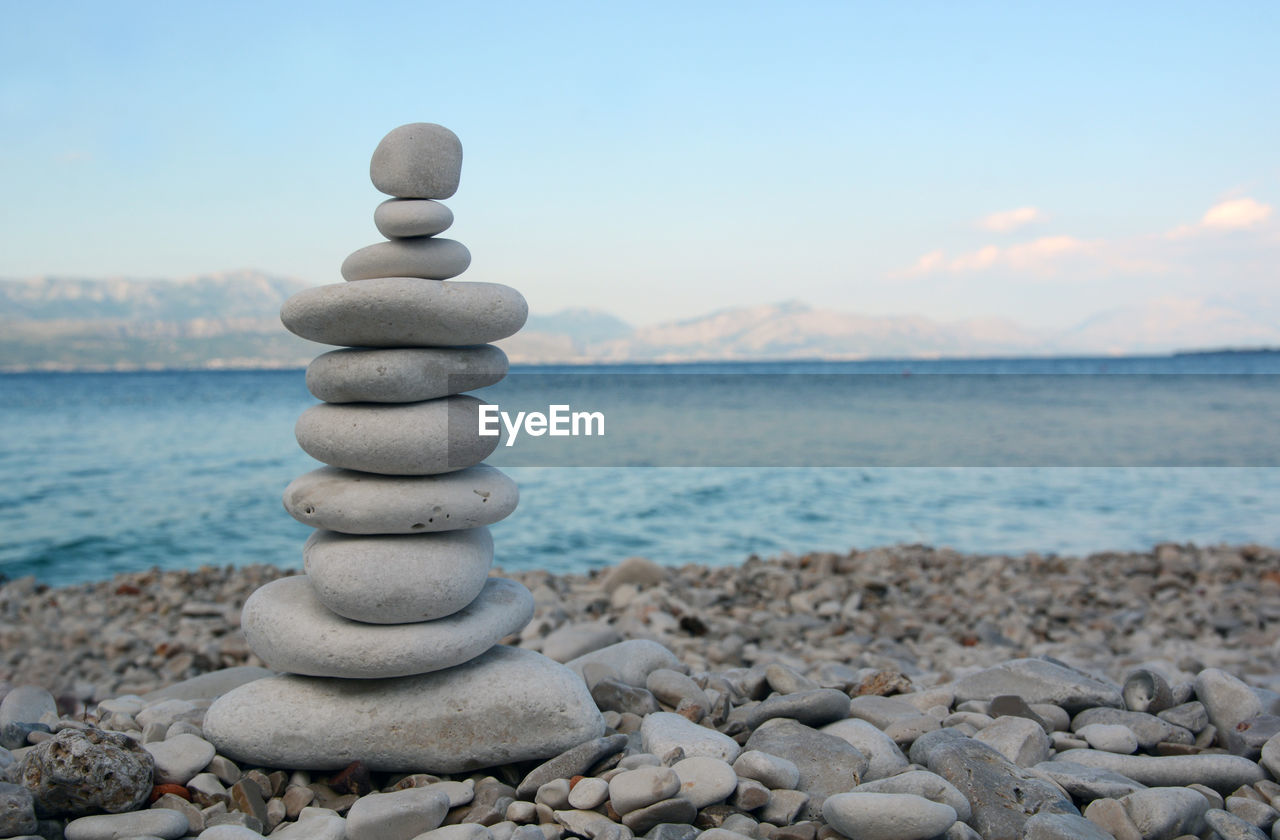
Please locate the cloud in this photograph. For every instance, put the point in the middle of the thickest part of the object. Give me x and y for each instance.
(1236, 213)
(1041, 256)
(1009, 220)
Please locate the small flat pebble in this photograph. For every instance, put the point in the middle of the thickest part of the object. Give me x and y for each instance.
(663, 732)
(1226, 699)
(1109, 737)
(827, 764)
(921, 783)
(884, 757)
(1230, 827)
(572, 762)
(179, 758)
(1021, 740)
(1191, 716)
(705, 781)
(28, 704)
(158, 823)
(1166, 811)
(1223, 773)
(772, 771)
(1149, 730)
(403, 374)
(887, 816)
(1252, 811)
(588, 794)
(1088, 783)
(631, 661)
(749, 795)
(1040, 681)
(812, 707)
(672, 687)
(674, 810)
(633, 789)
(397, 218)
(396, 816)
(1062, 827)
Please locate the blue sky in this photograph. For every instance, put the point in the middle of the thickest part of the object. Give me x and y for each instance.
(1031, 161)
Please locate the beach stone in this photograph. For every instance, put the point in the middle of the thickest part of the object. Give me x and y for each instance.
(1021, 740)
(1226, 699)
(1166, 811)
(504, 706)
(814, 707)
(1223, 773)
(424, 438)
(17, 811)
(1109, 737)
(1190, 716)
(1149, 730)
(463, 831)
(417, 160)
(772, 771)
(352, 502)
(83, 772)
(631, 661)
(426, 258)
(405, 312)
(884, 757)
(573, 762)
(748, 795)
(675, 810)
(921, 783)
(179, 758)
(673, 688)
(671, 831)
(638, 571)
(615, 696)
(401, 815)
(209, 685)
(784, 807)
(153, 823)
(28, 704)
(283, 620)
(827, 764)
(403, 374)
(1001, 794)
(705, 781)
(1014, 706)
(1230, 827)
(634, 789)
(1271, 756)
(663, 732)
(398, 578)
(1088, 783)
(1040, 681)
(229, 832)
(319, 827)
(399, 218)
(1062, 827)
(887, 816)
(1252, 811)
(898, 719)
(1251, 735)
(572, 640)
(1110, 816)
(589, 793)
(554, 794)
(1146, 690)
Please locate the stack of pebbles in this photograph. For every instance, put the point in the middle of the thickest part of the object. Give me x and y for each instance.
(390, 639)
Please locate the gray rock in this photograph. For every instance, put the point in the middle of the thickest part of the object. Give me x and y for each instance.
(554, 794)
(403, 374)
(813, 707)
(1040, 681)
(898, 719)
(1062, 827)
(1226, 699)
(784, 806)
(210, 685)
(1021, 740)
(1252, 811)
(675, 810)
(17, 811)
(574, 762)
(1166, 811)
(1251, 735)
(663, 732)
(1190, 716)
(921, 783)
(424, 438)
(671, 831)
(180, 758)
(634, 789)
(352, 502)
(639, 571)
(1148, 730)
(1146, 690)
(749, 795)
(417, 160)
(507, 705)
(616, 696)
(405, 312)
(1088, 783)
(772, 771)
(1109, 737)
(426, 258)
(28, 704)
(884, 757)
(283, 620)
(398, 218)
(1111, 817)
(588, 793)
(84, 772)
(1223, 773)
(827, 764)
(1001, 795)
(1271, 756)
(572, 640)
(464, 831)
(398, 578)
(401, 815)
(928, 742)
(229, 832)
(887, 816)
(153, 823)
(673, 688)
(317, 827)
(1230, 827)
(631, 661)
(705, 781)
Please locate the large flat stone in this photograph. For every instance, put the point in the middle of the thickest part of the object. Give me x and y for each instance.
(507, 705)
(287, 626)
(427, 257)
(828, 765)
(403, 374)
(351, 502)
(1223, 773)
(425, 438)
(405, 312)
(398, 578)
(1040, 681)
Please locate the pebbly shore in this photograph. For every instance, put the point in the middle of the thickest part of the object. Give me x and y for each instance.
(905, 692)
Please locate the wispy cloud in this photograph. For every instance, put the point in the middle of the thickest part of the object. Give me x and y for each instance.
(1010, 220)
(1039, 256)
(1232, 214)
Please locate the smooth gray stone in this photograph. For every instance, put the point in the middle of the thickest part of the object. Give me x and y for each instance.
(399, 815)
(405, 312)
(1062, 827)
(425, 438)
(574, 762)
(569, 641)
(403, 374)
(1271, 756)
(631, 790)
(505, 706)
(921, 783)
(1223, 773)
(1251, 735)
(828, 765)
(397, 218)
(179, 758)
(427, 258)
(1252, 811)
(1230, 827)
(928, 742)
(1166, 811)
(772, 771)
(885, 757)
(705, 781)
(158, 822)
(1021, 740)
(28, 704)
(674, 810)
(1149, 729)
(673, 687)
(663, 732)
(351, 502)
(1190, 716)
(1088, 783)
(417, 160)
(887, 816)
(210, 685)
(287, 626)
(1227, 699)
(1001, 794)
(17, 811)
(1109, 737)
(898, 719)
(631, 661)
(672, 831)
(815, 707)
(1040, 681)
(615, 696)
(398, 578)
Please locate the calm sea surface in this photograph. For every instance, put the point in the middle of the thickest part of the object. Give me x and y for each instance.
(101, 473)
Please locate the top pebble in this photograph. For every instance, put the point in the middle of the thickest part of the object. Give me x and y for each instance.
(418, 160)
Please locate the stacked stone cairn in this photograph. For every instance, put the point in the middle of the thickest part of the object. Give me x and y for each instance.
(389, 642)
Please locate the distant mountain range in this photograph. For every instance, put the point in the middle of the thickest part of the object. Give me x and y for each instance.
(231, 320)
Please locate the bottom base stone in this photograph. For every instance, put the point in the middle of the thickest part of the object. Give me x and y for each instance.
(506, 705)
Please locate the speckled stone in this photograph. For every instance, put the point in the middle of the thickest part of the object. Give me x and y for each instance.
(427, 258)
(397, 218)
(417, 160)
(403, 374)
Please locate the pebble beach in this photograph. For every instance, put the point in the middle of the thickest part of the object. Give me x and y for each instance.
(904, 692)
